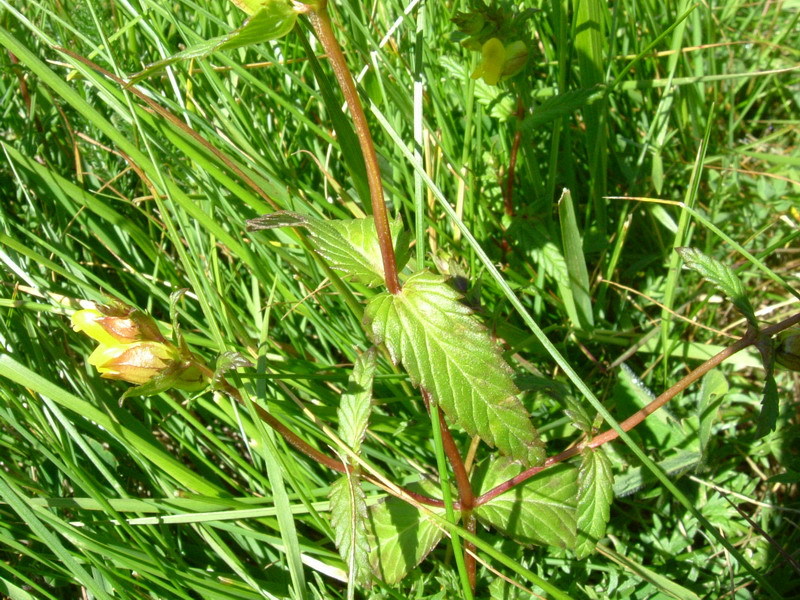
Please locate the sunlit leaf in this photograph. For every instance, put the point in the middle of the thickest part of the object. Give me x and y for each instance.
(273, 20)
(349, 245)
(539, 511)
(349, 522)
(721, 276)
(356, 401)
(401, 536)
(712, 390)
(595, 494)
(448, 352)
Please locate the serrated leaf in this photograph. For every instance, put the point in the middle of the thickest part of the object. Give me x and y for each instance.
(768, 417)
(273, 20)
(577, 414)
(356, 401)
(539, 511)
(449, 353)
(349, 522)
(401, 536)
(595, 494)
(712, 390)
(349, 245)
(721, 276)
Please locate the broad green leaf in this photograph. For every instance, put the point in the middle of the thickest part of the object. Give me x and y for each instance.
(636, 478)
(595, 494)
(401, 536)
(539, 511)
(350, 246)
(721, 276)
(712, 390)
(356, 402)
(273, 20)
(449, 353)
(349, 522)
(580, 312)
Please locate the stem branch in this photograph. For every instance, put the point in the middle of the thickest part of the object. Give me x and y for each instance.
(321, 22)
(749, 339)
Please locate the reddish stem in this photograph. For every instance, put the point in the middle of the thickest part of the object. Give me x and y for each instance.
(749, 339)
(321, 23)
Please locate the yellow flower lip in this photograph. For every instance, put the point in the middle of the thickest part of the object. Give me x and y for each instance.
(108, 329)
(493, 57)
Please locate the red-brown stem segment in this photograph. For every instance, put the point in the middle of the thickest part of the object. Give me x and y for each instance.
(508, 193)
(321, 23)
(749, 339)
(314, 454)
(466, 496)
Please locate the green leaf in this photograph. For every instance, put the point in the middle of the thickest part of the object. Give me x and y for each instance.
(712, 390)
(539, 511)
(580, 312)
(349, 245)
(349, 522)
(595, 494)
(721, 276)
(449, 353)
(401, 536)
(275, 19)
(356, 402)
(577, 414)
(768, 417)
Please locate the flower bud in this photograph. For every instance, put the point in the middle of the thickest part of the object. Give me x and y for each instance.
(787, 353)
(132, 349)
(469, 23)
(135, 363)
(516, 57)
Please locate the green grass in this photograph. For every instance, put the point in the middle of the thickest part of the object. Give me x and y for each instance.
(111, 193)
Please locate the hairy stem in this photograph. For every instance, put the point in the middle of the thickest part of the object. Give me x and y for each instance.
(321, 22)
(749, 339)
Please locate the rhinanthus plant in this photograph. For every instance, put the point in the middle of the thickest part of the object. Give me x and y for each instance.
(459, 369)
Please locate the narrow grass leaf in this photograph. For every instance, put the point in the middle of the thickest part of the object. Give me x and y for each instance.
(721, 276)
(595, 494)
(581, 311)
(449, 353)
(539, 511)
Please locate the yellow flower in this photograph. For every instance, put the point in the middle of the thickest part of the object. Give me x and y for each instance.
(135, 363)
(132, 349)
(499, 61)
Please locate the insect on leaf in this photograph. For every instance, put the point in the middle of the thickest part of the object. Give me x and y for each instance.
(449, 353)
(349, 245)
